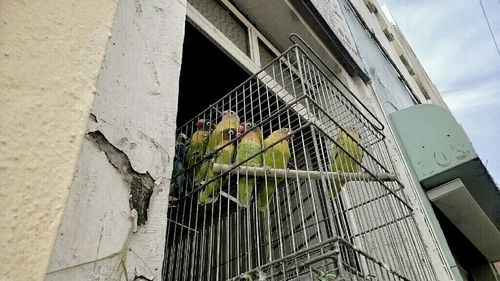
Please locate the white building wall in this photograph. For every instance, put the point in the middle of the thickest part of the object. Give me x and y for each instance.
(117, 208)
(50, 55)
(389, 94)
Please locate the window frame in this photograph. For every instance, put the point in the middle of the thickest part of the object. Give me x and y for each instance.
(251, 63)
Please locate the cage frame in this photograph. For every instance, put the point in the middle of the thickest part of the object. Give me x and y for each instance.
(295, 104)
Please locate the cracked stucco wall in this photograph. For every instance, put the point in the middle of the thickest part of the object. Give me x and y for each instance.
(117, 207)
(50, 55)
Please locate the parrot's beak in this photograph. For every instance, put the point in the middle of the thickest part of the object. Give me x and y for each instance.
(241, 129)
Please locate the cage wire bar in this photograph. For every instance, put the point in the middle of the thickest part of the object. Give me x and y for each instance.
(349, 218)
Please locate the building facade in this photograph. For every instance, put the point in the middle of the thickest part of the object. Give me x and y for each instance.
(168, 63)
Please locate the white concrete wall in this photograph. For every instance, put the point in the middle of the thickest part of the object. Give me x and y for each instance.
(118, 203)
(385, 91)
(421, 78)
(50, 55)
(384, 95)
(374, 21)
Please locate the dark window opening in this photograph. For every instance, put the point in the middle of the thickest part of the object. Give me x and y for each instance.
(465, 253)
(207, 74)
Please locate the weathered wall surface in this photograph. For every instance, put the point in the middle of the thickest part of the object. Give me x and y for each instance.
(388, 87)
(117, 208)
(421, 78)
(50, 55)
(388, 91)
(392, 96)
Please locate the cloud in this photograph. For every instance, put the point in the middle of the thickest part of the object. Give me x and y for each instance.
(451, 39)
(475, 98)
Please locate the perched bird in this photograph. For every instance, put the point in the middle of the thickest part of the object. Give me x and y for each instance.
(350, 140)
(250, 144)
(276, 157)
(223, 156)
(196, 150)
(179, 164)
(229, 121)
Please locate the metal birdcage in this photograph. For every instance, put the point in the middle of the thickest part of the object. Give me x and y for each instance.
(348, 218)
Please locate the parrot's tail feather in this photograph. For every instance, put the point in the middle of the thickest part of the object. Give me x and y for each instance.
(265, 194)
(245, 190)
(207, 198)
(337, 186)
(210, 192)
(199, 173)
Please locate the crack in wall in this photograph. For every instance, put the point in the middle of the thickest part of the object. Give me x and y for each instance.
(93, 118)
(141, 278)
(141, 184)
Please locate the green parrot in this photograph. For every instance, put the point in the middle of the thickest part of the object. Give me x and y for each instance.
(341, 161)
(250, 144)
(230, 121)
(223, 156)
(275, 157)
(196, 150)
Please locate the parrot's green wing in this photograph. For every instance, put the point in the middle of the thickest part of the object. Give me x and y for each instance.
(196, 152)
(247, 149)
(338, 164)
(200, 172)
(275, 157)
(214, 139)
(342, 162)
(206, 196)
(224, 156)
(231, 123)
(196, 148)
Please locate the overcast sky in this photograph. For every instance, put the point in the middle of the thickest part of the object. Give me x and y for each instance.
(452, 41)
